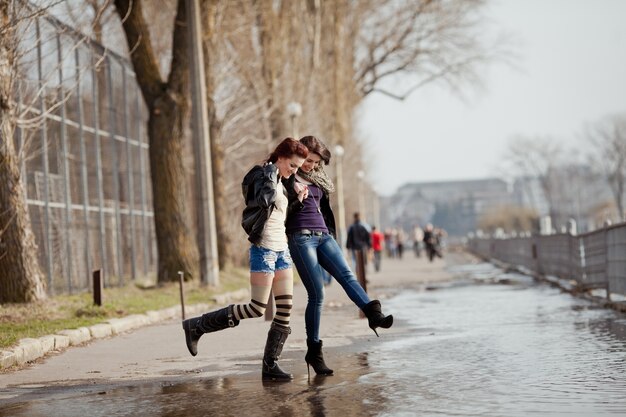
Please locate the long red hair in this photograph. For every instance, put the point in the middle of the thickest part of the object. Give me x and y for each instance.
(288, 148)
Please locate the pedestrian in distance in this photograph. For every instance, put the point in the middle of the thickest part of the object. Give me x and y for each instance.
(418, 236)
(311, 234)
(431, 243)
(271, 268)
(400, 238)
(359, 239)
(377, 247)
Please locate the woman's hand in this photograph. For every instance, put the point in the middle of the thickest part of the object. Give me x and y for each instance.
(302, 190)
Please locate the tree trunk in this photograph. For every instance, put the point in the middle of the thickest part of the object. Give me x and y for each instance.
(21, 279)
(168, 106)
(175, 242)
(272, 27)
(224, 241)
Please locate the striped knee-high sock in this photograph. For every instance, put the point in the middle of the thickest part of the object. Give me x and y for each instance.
(283, 295)
(257, 305)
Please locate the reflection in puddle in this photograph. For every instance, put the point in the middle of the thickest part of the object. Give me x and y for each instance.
(349, 392)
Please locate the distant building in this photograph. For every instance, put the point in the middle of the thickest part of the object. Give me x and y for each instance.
(454, 205)
(576, 192)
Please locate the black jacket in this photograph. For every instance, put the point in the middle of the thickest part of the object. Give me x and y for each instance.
(358, 237)
(259, 192)
(296, 205)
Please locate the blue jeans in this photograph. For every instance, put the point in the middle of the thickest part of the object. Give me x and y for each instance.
(311, 253)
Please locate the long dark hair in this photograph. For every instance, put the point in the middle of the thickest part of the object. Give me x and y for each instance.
(288, 148)
(316, 146)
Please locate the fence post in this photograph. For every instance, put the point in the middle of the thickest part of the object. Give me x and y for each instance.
(181, 280)
(97, 287)
(606, 260)
(360, 273)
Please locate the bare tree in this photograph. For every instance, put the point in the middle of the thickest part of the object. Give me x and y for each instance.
(168, 105)
(537, 158)
(248, 81)
(389, 47)
(21, 279)
(423, 41)
(93, 17)
(608, 138)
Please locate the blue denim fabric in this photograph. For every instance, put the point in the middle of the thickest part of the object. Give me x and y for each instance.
(310, 254)
(267, 260)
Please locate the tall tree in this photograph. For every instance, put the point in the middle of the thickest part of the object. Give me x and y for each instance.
(21, 278)
(272, 24)
(167, 103)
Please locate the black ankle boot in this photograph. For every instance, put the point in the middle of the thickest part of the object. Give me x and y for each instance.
(207, 323)
(315, 358)
(375, 317)
(276, 338)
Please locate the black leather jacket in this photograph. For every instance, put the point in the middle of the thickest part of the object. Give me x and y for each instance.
(259, 192)
(296, 205)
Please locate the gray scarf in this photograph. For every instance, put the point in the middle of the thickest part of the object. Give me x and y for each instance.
(320, 178)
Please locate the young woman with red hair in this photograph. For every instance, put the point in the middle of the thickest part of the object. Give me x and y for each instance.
(263, 220)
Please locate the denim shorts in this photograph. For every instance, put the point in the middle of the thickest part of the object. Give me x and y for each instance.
(268, 261)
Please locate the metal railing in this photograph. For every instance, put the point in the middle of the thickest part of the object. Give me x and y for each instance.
(592, 260)
(85, 158)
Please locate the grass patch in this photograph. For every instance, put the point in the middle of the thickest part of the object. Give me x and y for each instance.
(18, 321)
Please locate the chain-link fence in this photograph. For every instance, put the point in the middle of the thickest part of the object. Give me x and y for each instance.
(592, 260)
(85, 159)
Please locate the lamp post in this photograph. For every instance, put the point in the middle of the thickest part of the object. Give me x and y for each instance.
(341, 230)
(361, 175)
(294, 110)
(205, 203)
(376, 209)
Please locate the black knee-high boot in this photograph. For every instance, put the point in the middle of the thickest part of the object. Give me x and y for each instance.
(276, 338)
(375, 317)
(207, 323)
(315, 358)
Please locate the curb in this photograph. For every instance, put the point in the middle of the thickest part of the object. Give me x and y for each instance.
(30, 349)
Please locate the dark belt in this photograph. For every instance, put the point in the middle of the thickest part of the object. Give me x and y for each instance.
(308, 232)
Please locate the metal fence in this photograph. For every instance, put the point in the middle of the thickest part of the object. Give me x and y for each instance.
(593, 260)
(84, 158)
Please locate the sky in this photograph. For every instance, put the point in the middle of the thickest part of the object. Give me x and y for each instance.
(570, 72)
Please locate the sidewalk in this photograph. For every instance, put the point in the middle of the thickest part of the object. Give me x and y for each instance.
(159, 350)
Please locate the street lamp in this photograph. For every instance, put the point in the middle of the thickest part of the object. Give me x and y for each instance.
(341, 235)
(376, 209)
(294, 110)
(361, 175)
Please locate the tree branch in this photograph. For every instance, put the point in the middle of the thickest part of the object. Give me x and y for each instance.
(143, 57)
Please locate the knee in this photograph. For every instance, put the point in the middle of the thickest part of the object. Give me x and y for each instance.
(320, 301)
(257, 312)
(316, 299)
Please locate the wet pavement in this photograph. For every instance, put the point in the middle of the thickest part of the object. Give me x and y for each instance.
(353, 391)
(486, 344)
(503, 345)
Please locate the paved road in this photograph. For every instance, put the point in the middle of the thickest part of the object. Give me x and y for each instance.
(159, 351)
(490, 344)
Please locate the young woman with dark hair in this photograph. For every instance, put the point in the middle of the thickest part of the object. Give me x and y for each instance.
(263, 220)
(311, 230)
